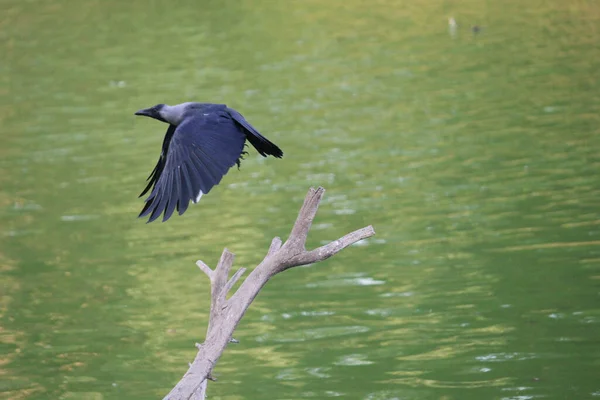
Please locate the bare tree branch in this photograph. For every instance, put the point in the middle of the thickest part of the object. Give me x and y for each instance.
(226, 314)
(275, 245)
(234, 279)
(328, 250)
(205, 268)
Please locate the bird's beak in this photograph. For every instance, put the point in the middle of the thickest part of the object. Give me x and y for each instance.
(147, 112)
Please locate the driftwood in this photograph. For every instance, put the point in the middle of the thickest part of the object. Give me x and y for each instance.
(225, 313)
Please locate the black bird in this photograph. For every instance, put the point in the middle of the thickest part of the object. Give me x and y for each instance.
(202, 142)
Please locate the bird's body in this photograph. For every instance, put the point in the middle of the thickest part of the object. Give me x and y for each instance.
(203, 141)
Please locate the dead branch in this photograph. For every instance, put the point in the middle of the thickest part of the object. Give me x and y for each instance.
(225, 313)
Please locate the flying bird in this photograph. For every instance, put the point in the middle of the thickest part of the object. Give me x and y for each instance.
(203, 141)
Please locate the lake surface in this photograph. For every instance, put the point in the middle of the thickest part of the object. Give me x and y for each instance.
(473, 152)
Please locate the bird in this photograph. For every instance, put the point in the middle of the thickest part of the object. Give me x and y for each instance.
(203, 141)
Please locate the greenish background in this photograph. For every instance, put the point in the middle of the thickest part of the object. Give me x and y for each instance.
(475, 156)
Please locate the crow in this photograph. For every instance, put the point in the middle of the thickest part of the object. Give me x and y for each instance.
(203, 141)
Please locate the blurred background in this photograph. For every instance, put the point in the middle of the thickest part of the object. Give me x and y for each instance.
(466, 132)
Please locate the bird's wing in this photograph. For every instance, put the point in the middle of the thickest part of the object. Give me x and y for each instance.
(260, 143)
(160, 165)
(201, 151)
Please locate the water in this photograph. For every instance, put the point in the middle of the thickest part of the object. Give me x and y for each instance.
(474, 155)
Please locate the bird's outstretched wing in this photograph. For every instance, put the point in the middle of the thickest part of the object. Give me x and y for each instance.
(260, 143)
(200, 152)
(160, 165)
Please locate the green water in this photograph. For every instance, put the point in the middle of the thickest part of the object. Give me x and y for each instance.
(475, 156)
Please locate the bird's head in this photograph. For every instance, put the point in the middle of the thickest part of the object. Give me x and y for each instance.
(156, 112)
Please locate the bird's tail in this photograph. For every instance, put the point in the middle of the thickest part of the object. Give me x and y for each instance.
(263, 145)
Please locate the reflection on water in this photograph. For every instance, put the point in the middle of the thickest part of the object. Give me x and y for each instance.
(474, 154)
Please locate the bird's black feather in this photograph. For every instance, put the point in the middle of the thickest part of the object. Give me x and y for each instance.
(260, 143)
(160, 165)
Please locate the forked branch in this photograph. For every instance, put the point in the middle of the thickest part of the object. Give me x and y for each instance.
(225, 313)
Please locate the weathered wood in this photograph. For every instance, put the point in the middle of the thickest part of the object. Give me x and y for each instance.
(225, 313)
